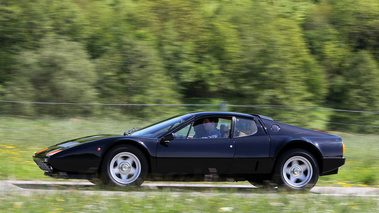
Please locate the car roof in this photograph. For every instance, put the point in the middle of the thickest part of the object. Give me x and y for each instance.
(221, 113)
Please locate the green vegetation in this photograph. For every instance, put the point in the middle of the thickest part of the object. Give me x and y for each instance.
(21, 138)
(74, 201)
(287, 52)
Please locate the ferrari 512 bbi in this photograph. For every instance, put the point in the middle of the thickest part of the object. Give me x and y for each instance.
(217, 145)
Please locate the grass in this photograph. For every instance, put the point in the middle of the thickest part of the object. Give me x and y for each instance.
(20, 138)
(163, 201)
(361, 167)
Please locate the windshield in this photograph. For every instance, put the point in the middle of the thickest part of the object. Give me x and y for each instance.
(162, 127)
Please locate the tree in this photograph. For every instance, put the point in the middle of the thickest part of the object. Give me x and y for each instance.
(325, 42)
(67, 19)
(60, 71)
(22, 24)
(134, 74)
(358, 22)
(359, 91)
(276, 67)
(183, 37)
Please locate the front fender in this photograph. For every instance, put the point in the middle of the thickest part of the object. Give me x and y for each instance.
(148, 146)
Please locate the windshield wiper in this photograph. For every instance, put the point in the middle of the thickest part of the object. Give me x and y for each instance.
(130, 131)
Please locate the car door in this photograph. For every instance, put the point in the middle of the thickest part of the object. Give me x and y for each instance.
(192, 152)
(252, 146)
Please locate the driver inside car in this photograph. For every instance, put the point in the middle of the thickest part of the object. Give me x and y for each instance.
(210, 126)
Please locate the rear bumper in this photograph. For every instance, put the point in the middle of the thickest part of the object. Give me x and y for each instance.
(331, 165)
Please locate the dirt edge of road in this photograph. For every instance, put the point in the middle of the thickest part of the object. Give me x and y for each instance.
(8, 186)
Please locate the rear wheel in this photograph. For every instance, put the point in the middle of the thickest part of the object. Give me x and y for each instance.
(296, 169)
(124, 166)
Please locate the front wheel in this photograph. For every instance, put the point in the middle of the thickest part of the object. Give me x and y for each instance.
(124, 166)
(296, 169)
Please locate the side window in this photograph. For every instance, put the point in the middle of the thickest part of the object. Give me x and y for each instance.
(197, 130)
(182, 133)
(212, 127)
(225, 124)
(244, 127)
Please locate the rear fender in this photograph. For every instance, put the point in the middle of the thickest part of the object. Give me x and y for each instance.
(302, 144)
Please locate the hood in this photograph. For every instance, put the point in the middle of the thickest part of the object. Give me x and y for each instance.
(72, 143)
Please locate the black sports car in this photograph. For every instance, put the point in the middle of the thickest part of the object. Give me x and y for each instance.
(213, 146)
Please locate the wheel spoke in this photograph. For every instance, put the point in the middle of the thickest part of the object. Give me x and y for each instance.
(132, 162)
(287, 171)
(124, 177)
(303, 177)
(293, 179)
(116, 171)
(132, 171)
(304, 167)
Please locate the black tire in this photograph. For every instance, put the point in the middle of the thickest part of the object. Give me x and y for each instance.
(296, 169)
(124, 166)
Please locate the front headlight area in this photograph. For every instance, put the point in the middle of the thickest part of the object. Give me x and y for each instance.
(48, 154)
(41, 158)
(53, 152)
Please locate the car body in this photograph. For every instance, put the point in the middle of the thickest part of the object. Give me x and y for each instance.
(215, 146)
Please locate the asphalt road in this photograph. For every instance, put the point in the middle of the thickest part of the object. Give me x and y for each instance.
(31, 187)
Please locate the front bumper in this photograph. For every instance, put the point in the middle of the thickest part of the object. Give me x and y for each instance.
(43, 164)
(51, 172)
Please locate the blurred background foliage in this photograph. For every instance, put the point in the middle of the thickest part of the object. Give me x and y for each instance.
(305, 53)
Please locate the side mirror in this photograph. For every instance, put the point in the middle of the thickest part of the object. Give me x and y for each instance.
(167, 138)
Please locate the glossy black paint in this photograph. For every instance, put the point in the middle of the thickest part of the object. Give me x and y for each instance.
(241, 158)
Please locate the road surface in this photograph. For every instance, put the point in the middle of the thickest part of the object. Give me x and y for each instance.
(25, 187)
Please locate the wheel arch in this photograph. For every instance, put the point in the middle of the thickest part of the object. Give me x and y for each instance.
(300, 144)
(142, 148)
